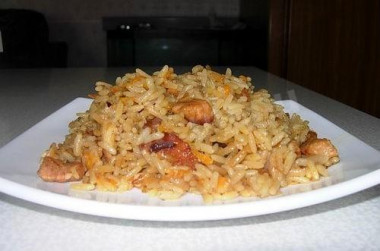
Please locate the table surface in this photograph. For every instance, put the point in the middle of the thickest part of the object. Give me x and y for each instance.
(29, 95)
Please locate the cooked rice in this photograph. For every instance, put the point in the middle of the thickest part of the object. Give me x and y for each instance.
(251, 148)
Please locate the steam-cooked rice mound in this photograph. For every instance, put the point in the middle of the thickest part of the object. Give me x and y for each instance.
(200, 132)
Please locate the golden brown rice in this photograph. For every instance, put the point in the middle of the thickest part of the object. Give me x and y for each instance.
(251, 147)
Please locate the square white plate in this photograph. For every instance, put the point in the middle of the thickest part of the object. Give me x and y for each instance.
(19, 162)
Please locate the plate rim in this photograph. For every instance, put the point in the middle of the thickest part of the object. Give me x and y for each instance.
(203, 212)
(193, 212)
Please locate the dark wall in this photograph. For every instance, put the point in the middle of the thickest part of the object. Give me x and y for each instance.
(332, 47)
(256, 14)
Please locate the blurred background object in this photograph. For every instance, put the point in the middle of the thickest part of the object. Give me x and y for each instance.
(153, 41)
(25, 41)
(95, 38)
(331, 47)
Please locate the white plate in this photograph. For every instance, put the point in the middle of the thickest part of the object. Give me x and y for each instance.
(358, 170)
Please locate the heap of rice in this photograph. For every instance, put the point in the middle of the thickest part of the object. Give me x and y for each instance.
(249, 147)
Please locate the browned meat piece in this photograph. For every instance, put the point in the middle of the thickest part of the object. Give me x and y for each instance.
(294, 146)
(174, 149)
(160, 145)
(153, 123)
(54, 170)
(311, 135)
(197, 111)
(246, 92)
(315, 146)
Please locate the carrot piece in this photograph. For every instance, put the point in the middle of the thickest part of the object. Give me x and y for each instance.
(204, 158)
(222, 184)
(227, 90)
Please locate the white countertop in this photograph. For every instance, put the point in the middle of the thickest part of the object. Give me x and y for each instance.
(349, 223)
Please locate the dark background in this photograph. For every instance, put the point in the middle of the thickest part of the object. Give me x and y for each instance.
(331, 47)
